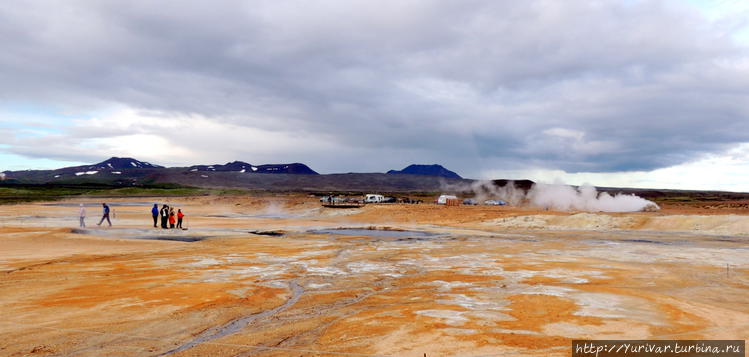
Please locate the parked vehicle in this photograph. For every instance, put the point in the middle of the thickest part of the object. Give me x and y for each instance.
(495, 203)
(470, 202)
(389, 200)
(442, 200)
(374, 198)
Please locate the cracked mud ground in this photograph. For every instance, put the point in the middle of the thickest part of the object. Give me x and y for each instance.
(468, 281)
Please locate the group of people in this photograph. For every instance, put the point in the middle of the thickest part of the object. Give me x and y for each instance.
(105, 215)
(168, 216)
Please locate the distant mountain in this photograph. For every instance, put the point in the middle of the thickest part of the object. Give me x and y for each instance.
(112, 164)
(119, 163)
(294, 168)
(115, 170)
(427, 170)
(240, 166)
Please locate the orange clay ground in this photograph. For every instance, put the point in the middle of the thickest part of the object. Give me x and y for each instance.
(481, 281)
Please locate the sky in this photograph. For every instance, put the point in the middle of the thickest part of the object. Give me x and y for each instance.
(630, 93)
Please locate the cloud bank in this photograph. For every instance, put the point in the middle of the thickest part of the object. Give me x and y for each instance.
(577, 86)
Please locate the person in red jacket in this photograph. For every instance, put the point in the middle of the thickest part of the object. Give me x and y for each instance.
(180, 215)
(171, 218)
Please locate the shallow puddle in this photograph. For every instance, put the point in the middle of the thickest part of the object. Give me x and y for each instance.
(176, 235)
(377, 233)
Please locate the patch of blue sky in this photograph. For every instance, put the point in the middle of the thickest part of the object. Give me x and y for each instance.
(735, 10)
(13, 162)
(15, 119)
(28, 120)
(32, 109)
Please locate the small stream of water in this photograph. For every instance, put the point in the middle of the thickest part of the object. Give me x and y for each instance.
(235, 326)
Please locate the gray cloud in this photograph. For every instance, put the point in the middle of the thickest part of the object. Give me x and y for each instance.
(573, 85)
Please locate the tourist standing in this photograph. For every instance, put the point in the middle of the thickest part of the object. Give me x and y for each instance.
(105, 215)
(155, 214)
(171, 217)
(164, 216)
(82, 216)
(180, 216)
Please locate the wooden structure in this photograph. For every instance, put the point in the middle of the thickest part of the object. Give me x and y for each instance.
(452, 202)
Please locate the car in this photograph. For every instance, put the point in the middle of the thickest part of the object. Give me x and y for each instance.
(374, 198)
(495, 203)
(470, 202)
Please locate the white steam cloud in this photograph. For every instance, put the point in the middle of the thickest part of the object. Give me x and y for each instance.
(485, 190)
(558, 197)
(274, 208)
(585, 198)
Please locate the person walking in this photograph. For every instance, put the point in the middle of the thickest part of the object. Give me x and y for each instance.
(82, 216)
(180, 216)
(164, 216)
(105, 215)
(155, 214)
(171, 217)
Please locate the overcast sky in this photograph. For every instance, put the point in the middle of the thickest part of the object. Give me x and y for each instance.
(632, 93)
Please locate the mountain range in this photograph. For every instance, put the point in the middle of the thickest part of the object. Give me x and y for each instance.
(277, 177)
(295, 177)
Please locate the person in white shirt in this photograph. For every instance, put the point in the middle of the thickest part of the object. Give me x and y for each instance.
(82, 215)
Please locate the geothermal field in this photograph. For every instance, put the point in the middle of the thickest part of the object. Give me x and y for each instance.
(283, 276)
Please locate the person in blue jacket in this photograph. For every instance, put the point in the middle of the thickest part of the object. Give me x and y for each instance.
(155, 215)
(105, 215)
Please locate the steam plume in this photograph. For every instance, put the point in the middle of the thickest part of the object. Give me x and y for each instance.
(558, 197)
(586, 198)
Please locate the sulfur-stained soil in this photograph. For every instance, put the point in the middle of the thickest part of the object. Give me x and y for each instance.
(282, 276)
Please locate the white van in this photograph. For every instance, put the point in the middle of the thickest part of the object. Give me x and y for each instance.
(442, 200)
(373, 198)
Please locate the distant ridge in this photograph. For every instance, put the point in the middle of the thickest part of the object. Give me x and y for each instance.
(111, 164)
(294, 168)
(241, 166)
(426, 170)
(125, 172)
(124, 163)
(130, 171)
